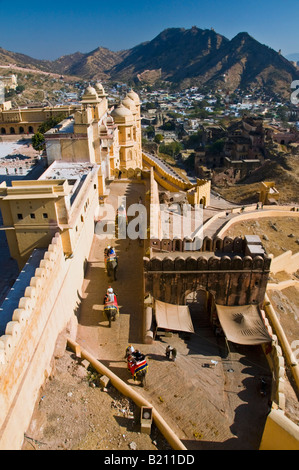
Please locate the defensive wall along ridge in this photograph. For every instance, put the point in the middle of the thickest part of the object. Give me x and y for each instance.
(168, 179)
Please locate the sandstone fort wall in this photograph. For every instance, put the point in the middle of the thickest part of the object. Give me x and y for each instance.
(48, 307)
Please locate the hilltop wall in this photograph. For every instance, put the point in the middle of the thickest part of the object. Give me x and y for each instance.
(171, 182)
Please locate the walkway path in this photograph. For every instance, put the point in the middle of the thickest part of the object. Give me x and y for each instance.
(208, 407)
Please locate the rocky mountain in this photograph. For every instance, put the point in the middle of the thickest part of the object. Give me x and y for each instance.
(173, 51)
(244, 63)
(203, 57)
(183, 56)
(96, 64)
(22, 60)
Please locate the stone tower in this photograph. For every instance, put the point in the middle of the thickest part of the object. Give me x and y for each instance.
(127, 118)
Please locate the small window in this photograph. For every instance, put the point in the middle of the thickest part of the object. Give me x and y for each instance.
(45, 215)
(32, 216)
(20, 216)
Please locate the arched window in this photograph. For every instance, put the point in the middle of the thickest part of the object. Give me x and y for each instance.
(3, 130)
(21, 130)
(12, 130)
(30, 130)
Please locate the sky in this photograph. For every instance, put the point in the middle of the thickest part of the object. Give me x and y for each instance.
(52, 29)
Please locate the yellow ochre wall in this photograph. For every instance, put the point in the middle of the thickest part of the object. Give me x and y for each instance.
(280, 433)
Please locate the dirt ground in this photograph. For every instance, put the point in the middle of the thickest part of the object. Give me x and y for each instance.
(277, 235)
(75, 412)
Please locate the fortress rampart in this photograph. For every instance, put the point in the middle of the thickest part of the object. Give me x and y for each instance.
(167, 180)
(47, 308)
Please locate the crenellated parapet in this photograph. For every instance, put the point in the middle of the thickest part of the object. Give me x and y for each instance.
(235, 271)
(202, 263)
(129, 173)
(29, 302)
(40, 308)
(240, 245)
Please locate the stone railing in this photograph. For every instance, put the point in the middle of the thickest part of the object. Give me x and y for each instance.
(248, 214)
(287, 262)
(280, 432)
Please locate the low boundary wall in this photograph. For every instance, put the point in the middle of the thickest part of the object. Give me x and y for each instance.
(287, 262)
(267, 211)
(280, 433)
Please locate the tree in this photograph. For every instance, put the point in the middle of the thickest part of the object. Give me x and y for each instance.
(168, 126)
(216, 147)
(38, 141)
(189, 162)
(173, 149)
(51, 122)
(20, 89)
(195, 140)
(159, 138)
(150, 131)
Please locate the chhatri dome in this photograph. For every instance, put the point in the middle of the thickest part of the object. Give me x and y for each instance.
(90, 95)
(129, 103)
(131, 94)
(121, 112)
(103, 130)
(90, 91)
(109, 120)
(100, 90)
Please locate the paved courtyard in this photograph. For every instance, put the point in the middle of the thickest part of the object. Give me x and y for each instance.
(17, 157)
